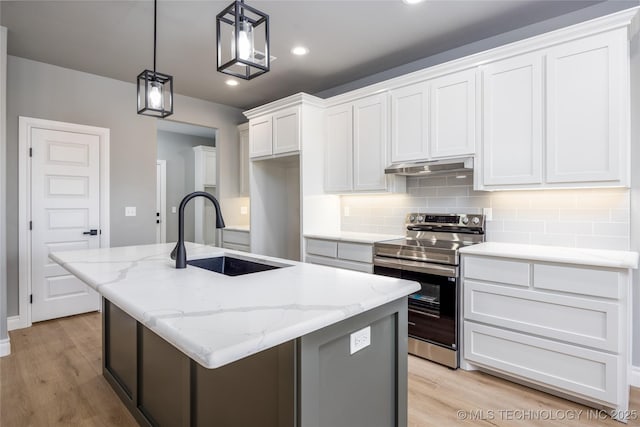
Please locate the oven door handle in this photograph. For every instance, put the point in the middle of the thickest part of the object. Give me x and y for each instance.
(416, 266)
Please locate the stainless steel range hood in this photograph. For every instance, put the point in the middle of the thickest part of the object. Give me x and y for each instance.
(435, 167)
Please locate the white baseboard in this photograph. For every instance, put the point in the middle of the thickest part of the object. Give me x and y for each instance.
(5, 347)
(635, 376)
(16, 322)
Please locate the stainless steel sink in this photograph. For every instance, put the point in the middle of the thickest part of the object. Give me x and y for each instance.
(231, 266)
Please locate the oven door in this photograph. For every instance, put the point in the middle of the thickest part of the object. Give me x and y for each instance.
(433, 309)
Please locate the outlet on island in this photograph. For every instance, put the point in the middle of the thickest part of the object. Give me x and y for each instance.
(360, 339)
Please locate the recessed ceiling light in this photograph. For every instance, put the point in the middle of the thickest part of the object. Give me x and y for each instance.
(299, 50)
(232, 82)
(412, 1)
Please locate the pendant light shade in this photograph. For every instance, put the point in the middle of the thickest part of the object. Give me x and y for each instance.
(243, 41)
(155, 90)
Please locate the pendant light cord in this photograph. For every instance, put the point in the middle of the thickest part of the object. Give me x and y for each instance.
(155, 18)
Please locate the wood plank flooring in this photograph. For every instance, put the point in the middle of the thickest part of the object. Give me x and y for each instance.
(53, 377)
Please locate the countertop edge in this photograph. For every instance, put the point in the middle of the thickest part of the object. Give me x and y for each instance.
(564, 255)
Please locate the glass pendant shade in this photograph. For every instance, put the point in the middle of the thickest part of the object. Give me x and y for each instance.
(155, 94)
(243, 41)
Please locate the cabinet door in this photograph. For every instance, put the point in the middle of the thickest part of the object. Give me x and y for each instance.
(286, 131)
(244, 162)
(209, 160)
(585, 109)
(338, 162)
(409, 123)
(260, 137)
(370, 143)
(512, 142)
(453, 115)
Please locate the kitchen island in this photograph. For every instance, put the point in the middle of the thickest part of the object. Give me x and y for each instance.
(299, 345)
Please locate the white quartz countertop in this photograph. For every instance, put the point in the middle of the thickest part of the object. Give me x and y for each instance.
(350, 236)
(237, 228)
(217, 319)
(591, 257)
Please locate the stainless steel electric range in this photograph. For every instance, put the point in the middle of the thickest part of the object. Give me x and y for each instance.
(429, 255)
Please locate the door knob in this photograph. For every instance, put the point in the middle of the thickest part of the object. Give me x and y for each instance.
(91, 232)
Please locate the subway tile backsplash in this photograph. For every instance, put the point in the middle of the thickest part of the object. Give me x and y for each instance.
(586, 218)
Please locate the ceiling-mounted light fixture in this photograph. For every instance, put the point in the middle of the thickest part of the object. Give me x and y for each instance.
(155, 90)
(243, 41)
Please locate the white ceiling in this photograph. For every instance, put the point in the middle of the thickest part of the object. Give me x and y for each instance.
(348, 39)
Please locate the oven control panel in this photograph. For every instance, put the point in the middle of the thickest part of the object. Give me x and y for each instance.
(444, 220)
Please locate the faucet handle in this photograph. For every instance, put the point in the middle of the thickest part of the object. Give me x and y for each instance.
(174, 252)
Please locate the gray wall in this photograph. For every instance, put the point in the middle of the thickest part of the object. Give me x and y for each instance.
(45, 91)
(177, 150)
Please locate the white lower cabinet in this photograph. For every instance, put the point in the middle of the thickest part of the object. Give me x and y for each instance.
(333, 253)
(562, 327)
(238, 240)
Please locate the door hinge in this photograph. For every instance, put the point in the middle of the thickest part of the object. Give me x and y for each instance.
(31, 299)
(30, 225)
(30, 152)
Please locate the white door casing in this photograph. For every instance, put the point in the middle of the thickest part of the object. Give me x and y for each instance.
(161, 201)
(63, 193)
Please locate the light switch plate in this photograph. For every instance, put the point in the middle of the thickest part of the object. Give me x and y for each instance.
(360, 339)
(347, 211)
(243, 210)
(130, 211)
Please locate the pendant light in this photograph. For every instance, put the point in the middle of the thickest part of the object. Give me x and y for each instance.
(155, 90)
(243, 41)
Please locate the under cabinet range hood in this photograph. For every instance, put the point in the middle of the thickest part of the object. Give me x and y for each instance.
(433, 167)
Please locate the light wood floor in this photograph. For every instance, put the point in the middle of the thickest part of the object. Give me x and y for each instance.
(54, 377)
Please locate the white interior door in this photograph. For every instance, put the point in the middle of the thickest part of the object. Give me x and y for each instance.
(65, 208)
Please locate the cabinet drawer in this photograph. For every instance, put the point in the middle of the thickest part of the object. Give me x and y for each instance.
(322, 247)
(578, 280)
(234, 236)
(355, 252)
(576, 320)
(588, 373)
(497, 270)
(338, 263)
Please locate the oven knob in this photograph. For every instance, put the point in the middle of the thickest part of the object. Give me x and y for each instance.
(420, 218)
(465, 220)
(412, 218)
(475, 220)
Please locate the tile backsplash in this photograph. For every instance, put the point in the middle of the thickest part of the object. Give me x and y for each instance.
(584, 218)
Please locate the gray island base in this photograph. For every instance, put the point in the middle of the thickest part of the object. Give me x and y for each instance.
(311, 381)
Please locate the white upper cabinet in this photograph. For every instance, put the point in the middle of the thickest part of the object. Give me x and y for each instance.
(370, 143)
(512, 151)
(357, 147)
(453, 115)
(286, 131)
(409, 123)
(260, 137)
(558, 117)
(434, 119)
(585, 81)
(275, 134)
(338, 175)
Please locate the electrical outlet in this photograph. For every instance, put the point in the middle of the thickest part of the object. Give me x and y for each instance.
(130, 211)
(173, 209)
(360, 339)
(488, 214)
(243, 210)
(347, 211)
